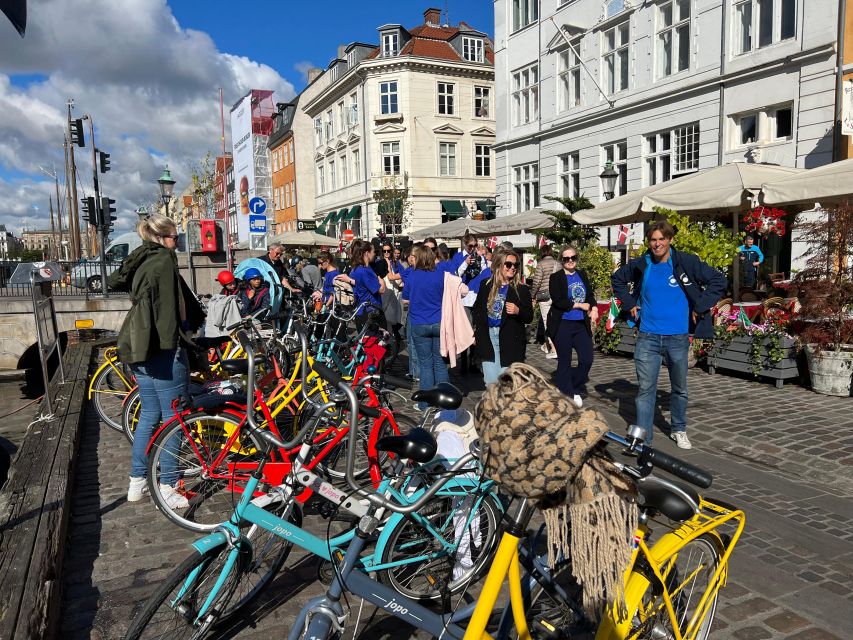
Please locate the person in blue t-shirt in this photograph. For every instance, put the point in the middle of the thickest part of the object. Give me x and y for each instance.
(407, 268)
(671, 294)
(367, 286)
(425, 284)
(329, 270)
(751, 257)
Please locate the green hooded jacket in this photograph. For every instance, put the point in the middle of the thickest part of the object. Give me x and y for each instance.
(150, 275)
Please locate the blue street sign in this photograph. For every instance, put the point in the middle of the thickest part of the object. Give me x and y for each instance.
(257, 224)
(257, 205)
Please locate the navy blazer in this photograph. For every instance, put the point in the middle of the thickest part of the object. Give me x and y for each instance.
(558, 287)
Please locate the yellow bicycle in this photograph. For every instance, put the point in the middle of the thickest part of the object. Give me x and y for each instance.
(109, 386)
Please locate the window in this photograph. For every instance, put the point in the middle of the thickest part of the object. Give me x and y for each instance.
(293, 193)
(782, 123)
(570, 175)
(344, 172)
(686, 148)
(353, 109)
(482, 160)
(569, 78)
(773, 124)
(524, 12)
(525, 95)
(390, 44)
(672, 153)
(287, 196)
(334, 71)
(276, 203)
(447, 158)
(318, 131)
(275, 160)
(285, 156)
(482, 102)
(445, 98)
(615, 58)
(759, 23)
(292, 156)
(351, 59)
(388, 97)
(673, 37)
(525, 182)
(332, 177)
(617, 154)
(391, 158)
(342, 117)
(330, 126)
(356, 164)
(472, 49)
(321, 179)
(747, 128)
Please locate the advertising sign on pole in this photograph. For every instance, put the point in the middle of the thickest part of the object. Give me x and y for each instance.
(244, 165)
(258, 241)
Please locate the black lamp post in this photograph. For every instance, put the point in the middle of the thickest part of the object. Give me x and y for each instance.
(608, 180)
(167, 184)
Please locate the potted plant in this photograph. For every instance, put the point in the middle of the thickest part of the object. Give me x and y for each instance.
(825, 289)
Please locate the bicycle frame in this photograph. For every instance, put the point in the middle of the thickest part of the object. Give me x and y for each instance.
(110, 360)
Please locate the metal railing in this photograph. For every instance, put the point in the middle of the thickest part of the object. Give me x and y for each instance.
(78, 278)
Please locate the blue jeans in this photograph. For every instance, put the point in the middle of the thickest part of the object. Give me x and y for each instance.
(651, 350)
(428, 347)
(161, 379)
(414, 369)
(491, 370)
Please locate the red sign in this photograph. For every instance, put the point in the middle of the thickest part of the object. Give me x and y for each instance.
(208, 236)
(348, 235)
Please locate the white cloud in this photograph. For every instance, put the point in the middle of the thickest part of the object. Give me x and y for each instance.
(303, 67)
(150, 85)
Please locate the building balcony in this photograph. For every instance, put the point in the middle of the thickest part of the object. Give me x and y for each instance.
(381, 181)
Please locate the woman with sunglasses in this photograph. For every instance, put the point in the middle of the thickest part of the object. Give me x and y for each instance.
(391, 304)
(573, 310)
(501, 311)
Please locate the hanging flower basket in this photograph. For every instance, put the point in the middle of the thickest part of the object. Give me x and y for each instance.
(765, 221)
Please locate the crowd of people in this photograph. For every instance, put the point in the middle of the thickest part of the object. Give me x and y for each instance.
(473, 306)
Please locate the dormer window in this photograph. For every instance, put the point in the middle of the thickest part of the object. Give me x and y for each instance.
(472, 49)
(390, 44)
(351, 59)
(334, 73)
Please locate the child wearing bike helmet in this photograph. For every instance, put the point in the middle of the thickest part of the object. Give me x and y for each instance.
(256, 295)
(230, 286)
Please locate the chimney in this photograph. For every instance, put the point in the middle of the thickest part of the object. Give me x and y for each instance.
(432, 17)
(313, 74)
(342, 52)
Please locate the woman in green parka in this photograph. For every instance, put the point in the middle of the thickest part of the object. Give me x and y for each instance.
(150, 342)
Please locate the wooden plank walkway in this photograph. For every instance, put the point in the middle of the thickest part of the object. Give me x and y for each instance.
(34, 509)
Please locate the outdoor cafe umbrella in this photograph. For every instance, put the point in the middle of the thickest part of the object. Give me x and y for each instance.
(514, 224)
(304, 239)
(825, 184)
(453, 229)
(729, 187)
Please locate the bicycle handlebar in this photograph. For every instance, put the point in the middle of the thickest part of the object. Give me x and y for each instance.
(649, 458)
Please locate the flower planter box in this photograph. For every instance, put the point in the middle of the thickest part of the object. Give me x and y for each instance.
(735, 355)
(627, 340)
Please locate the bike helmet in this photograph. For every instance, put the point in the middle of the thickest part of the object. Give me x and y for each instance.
(225, 277)
(252, 273)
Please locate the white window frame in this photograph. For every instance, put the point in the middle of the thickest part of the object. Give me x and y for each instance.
(321, 179)
(482, 96)
(447, 159)
(525, 95)
(391, 92)
(318, 131)
(356, 164)
(772, 117)
(617, 153)
(482, 160)
(445, 93)
(616, 57)
(351, 59)
(342, 120)
(344, 165)
(333, 181)
(390, 44)
(673, 25)
(765, 126)
(569, 85)
(473, 49)
(525, 186)
(293, 193)
(284, 159)
(762, 26)
(570, 174)
(334, 72)
(523, 13)
(330, 125)
(286, 196)
(353, 109)
(275, 161)
(388, 152)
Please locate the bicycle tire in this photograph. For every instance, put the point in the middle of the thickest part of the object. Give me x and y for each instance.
(432, 578)
(549, 612)
(130, 414)
(108, 393)
(212, 501)
(159, 618)
(649, 618)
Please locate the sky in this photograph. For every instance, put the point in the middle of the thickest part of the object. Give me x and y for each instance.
(149, 73)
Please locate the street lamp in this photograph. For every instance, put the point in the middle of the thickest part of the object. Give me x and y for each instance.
(141, 211)
(167, 184)
(608, 180)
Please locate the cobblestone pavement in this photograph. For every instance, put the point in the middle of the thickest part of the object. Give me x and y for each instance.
(784, 456)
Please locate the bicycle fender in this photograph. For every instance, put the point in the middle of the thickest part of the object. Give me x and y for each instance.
(210, 542)
(127, 397)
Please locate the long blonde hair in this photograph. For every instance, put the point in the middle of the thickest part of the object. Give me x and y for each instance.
(152, 228)
(498, 258)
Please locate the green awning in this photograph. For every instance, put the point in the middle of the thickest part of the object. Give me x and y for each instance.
(390, 207)
(354, 213)
(453, 209)
(340, 215)
(329, 218)
(487, 207)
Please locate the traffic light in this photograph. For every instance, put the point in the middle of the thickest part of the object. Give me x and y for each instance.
(90, 211)
(77, 133)
(107, 211)
(105, 161)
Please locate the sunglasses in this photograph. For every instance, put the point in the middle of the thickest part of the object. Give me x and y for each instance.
(386, 251)
(570, 258)
(510, 265)
(172, 236)
(471, 247)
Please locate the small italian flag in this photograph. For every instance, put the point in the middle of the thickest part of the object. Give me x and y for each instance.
(743, 318)
(612, 314)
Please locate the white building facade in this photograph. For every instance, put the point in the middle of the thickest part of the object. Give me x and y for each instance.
(660, 88)
(414, 113)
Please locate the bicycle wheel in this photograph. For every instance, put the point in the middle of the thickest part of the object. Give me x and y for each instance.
(426, 571)
(687, 575)
(108, 392)
(172, 610)
(130, 414)
(212, 489)
(556, 608)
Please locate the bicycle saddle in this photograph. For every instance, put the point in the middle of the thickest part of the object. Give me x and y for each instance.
(442, 396)
(417, 445)
(676, 501)
(236, 366)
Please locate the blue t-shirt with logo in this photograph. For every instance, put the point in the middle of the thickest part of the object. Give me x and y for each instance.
(329, 284)
(663, 306)
(577, 293)
(366, 287)
(497, 309)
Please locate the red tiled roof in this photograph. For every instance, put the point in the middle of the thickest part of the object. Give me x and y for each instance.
(432, 42)
(436, 33)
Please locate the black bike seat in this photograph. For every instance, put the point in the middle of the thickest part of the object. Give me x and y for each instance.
(675, 500)
(417, 445)
(236, 366)
(442, 396)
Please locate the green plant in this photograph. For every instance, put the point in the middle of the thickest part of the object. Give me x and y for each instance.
(566, 230)
(711, 241)
(597, 262)
(607, 342)
(765, 340)
(394, 206)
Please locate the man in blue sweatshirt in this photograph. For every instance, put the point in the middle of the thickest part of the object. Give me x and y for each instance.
(671, 294)
(751, 257)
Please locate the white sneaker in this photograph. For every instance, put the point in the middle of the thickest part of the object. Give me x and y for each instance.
(681, 440)
(137, 490)
(173, 499)
(578, 401)
(551, 355)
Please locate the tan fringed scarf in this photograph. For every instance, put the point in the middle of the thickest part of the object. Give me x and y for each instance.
(538, 445)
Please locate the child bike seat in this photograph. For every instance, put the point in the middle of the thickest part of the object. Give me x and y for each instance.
(676, 501)
(442, 396)
(417, 445)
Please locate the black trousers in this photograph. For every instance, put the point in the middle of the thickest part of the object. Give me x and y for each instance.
(572, 335)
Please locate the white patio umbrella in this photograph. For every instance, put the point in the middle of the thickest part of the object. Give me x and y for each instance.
(304, 239)
(730, 187)
(531, 220)
(828, 183)
(453, 229)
